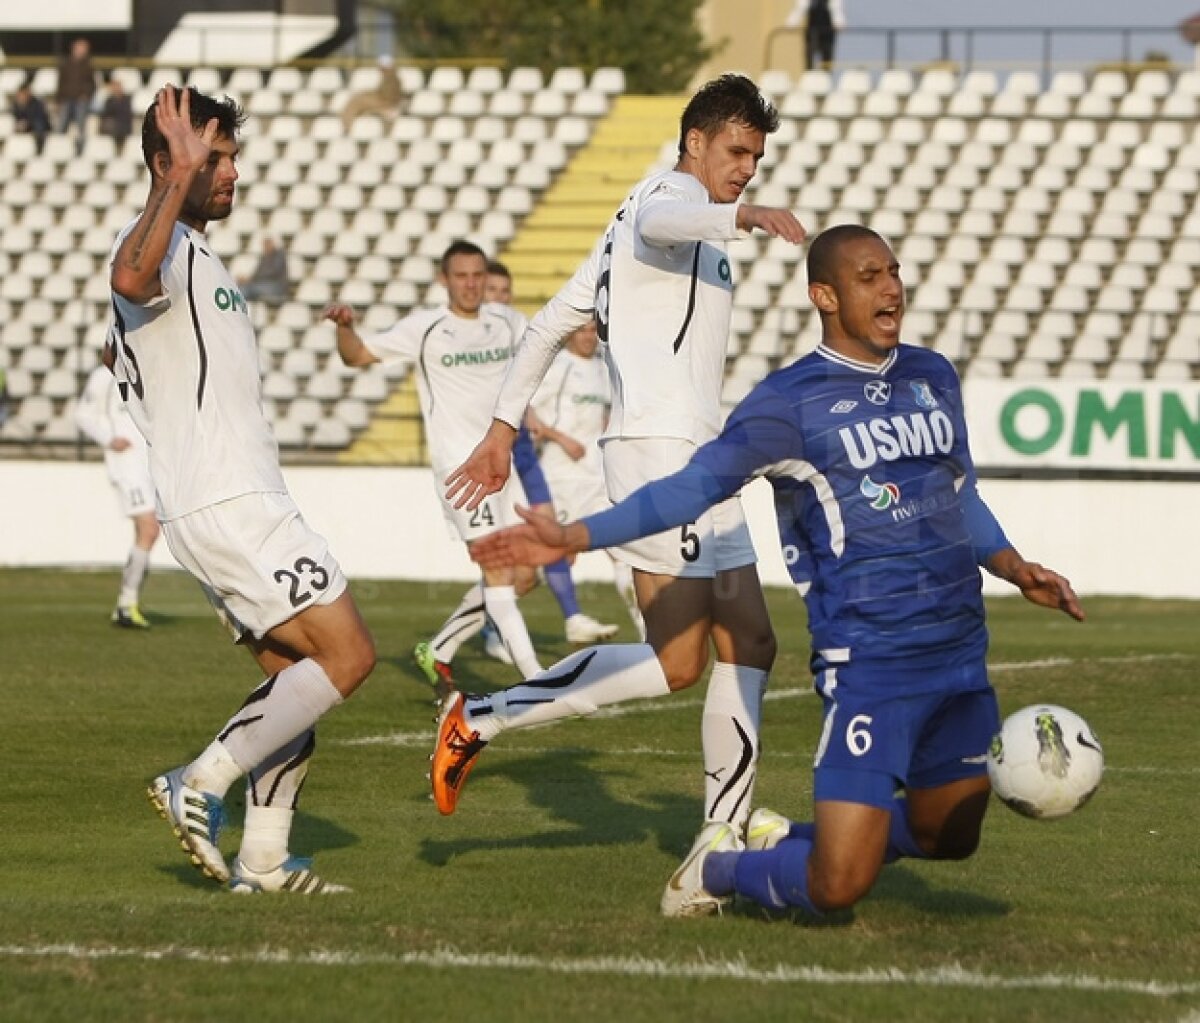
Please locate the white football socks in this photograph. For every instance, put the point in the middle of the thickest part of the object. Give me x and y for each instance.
(132, 576)
(501, 604)
(575, 686)
(265, 837)
(467, 620)
(282, 707)
(729, 739)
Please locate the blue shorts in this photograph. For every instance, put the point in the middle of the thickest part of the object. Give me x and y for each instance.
(529, 469)
(873, 744)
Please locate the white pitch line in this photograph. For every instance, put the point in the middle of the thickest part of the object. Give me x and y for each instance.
(951, 975)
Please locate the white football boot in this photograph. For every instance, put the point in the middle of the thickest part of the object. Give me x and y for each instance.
(685, 894)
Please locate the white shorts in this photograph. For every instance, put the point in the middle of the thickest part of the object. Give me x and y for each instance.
(718, 542)
(257, 560)
(135, 492)
(494, 512)
(577, 496)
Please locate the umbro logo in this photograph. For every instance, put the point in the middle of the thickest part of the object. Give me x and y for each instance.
(845, 405)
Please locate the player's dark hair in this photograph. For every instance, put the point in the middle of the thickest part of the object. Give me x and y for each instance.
(498, 269)
(822, 260)
(724, 99)
(230, 118)
(461, 248)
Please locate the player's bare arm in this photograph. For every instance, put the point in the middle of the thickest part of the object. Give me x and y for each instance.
(1038, 584)
(136, 264)
(350, 346)
(486, 470)
(777, 223)
(541, 541)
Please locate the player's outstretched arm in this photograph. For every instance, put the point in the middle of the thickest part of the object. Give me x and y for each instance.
(1038, 584)
(351, 349)
(485, 470)
(778, 223)
(541, 541)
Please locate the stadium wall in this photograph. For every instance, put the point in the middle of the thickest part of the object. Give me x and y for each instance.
(1109, 537)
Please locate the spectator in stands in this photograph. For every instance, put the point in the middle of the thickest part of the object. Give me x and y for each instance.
(29, 114)
(462, 350)
(658, 283)
(101, 415)
(822, 21)
(76, 89)
(116, 113)
(223, 502)
(384, 99)
(270, 281)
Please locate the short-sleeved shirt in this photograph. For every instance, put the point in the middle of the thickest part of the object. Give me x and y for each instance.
(187, 366)
(460, 364)
(574, 398)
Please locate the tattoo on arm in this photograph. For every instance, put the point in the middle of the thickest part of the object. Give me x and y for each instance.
(150, 218)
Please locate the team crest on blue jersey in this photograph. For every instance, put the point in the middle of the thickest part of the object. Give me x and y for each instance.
(881, 495)
(923, 393)
(878, 392)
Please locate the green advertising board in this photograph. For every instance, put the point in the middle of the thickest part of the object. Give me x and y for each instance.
(1085, 425)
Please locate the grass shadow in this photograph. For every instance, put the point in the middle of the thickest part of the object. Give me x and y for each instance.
(576, 794)
(899, 884)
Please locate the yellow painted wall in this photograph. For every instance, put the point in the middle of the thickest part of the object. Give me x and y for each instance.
(745, 25)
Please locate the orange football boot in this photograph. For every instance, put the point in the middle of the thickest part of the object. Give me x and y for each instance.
(454, 755)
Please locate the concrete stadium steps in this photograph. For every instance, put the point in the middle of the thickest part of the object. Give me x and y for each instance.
(559, 233)
(395, 435)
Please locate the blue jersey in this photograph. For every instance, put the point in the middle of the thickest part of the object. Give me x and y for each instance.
(875, 496)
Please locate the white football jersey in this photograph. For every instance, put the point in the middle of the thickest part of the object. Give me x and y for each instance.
(187, 366)
(102, 416)
(660, 283)
(574, 398)
(460, 364)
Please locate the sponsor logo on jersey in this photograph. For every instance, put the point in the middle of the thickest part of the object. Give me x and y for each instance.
(887, 439)
(845, 405)
(227, 299)
(878, 392)
(881, 495)
(481, 358)
(923, 394)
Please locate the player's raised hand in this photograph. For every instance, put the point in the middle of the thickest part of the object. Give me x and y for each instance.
(778, 223)
(541, 541)
(486, 469)
(342, 315)
(188, 149)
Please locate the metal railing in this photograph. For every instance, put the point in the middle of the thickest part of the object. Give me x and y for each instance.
(1045, 50)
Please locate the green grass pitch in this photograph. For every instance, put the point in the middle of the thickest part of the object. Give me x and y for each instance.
(538, 899)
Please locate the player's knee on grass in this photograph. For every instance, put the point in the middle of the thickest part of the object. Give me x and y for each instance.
(838, 882)
(947, 823)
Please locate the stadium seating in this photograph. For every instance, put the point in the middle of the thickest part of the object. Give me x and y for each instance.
(1043, 230)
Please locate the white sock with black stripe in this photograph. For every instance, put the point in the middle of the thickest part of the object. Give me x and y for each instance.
(575, 686)
(466, 621)
(729, 738)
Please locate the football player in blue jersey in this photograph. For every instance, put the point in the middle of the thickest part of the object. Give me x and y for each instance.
(865, 445)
